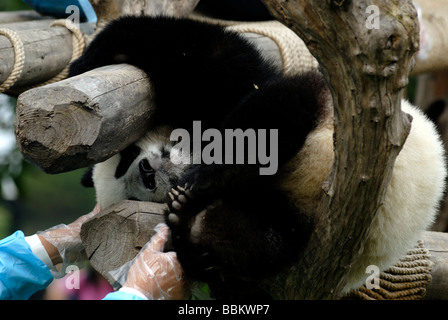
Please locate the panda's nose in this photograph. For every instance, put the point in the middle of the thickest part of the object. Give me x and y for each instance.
(148, 174)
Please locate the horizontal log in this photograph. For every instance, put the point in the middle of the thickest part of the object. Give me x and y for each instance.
(116, 235)
(433, 37)
(437, 244)
(74, 123)
(20, 15)
(109, 9)
(48, 50)
(36, 144)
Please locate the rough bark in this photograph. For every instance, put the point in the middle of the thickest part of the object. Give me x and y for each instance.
(48, 50)
(20, 15)
(73, 123)
(366, 70)
(116, 235)
(107, 10)
(83, 120)
(437, 244)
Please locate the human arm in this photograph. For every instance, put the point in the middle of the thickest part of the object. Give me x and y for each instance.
(153, 274)
(63, 244)
(22, 273)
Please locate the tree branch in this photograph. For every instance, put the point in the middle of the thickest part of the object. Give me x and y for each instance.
(366, 70)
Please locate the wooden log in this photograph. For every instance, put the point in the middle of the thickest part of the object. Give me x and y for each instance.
(117, 234)
(21, 15)
(74, 123)
(433, 42)
(48, 50)
(107, 10)
(437, 244)
(27, 25)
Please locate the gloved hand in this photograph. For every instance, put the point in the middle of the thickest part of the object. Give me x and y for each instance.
(156, 274)
(63, 243)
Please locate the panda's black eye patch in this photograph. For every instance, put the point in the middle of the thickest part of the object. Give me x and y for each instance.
(165, 152)
(128, 155)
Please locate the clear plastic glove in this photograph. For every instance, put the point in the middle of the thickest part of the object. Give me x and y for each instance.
(67, 242)
(154, 273)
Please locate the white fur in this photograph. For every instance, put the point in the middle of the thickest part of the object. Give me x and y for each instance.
(110, 190)
(411, 200)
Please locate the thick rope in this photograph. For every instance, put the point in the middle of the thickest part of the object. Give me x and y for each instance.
(19, 58)
(78, 45)
(295, 55)
(406, 280)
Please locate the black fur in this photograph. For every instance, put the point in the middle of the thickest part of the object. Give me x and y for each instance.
(189, 63)
(202, 72)
(86, 179)
(128, 155)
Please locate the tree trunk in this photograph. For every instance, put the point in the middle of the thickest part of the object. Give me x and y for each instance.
(366, 70)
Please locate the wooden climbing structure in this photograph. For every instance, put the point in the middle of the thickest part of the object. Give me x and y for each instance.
(64, 124)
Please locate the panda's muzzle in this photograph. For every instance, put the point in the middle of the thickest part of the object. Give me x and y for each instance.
(148, 174)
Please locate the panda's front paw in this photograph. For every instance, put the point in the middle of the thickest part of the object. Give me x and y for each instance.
(179, 198)
(186, 214)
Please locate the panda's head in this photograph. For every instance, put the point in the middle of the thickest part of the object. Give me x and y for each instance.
(143, 171)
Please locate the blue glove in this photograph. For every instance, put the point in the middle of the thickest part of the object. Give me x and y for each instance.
(57, 8)
(21, 272)
(124, 294)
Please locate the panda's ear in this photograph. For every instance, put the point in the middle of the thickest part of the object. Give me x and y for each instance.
(435, 110)
(87, 178)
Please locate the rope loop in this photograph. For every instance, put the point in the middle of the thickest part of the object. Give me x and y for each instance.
(78, 44)
(19, 58)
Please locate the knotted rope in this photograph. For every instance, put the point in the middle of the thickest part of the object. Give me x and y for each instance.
(295, 55)
(406, 280)
(19, 58)
(78, 45)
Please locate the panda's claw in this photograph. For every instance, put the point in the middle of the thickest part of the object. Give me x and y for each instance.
(175, 191)
(179, 198)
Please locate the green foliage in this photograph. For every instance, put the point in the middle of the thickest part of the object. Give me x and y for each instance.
(5, 222)
(48, 200)
(13, 5)
(201, 291)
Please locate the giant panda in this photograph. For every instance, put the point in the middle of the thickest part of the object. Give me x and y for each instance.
(228, 222)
